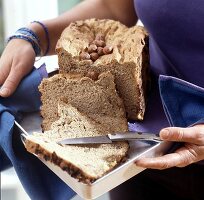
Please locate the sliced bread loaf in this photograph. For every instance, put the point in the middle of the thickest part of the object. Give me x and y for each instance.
(87, 163)
(107, 45)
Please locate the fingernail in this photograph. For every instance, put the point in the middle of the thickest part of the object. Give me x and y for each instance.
(4, 92)
(164, 134)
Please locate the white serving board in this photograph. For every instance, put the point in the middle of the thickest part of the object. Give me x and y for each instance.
(120, 174)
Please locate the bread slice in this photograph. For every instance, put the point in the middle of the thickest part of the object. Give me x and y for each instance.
(128, 61)
(96, 97)
(87, 163)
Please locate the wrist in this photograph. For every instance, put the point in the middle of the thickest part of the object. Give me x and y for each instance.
(29, 36)
(42, 32)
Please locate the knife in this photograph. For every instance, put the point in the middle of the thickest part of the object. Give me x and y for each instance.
(109, 138)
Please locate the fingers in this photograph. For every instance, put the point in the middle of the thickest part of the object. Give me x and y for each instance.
(12, 80)
(193, 135)
(15, 63)
(5, 66)
(181, 158)
(163, 162)
(3, 74)
(10, 83)
(192, 150)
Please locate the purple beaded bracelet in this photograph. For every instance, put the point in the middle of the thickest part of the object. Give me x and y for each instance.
(46, 34)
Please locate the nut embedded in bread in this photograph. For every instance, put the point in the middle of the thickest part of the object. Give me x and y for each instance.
(125, 55)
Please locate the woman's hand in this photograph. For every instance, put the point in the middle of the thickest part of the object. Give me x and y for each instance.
(192, 150)
(16, 61)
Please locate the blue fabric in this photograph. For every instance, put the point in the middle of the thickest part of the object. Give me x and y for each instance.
(39, 182)
(183, 102)
(155, 118)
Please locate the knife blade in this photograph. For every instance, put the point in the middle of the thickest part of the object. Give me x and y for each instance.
(109, 138)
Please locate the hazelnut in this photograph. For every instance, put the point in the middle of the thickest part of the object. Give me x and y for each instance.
(100, 51)
(99, 43)
(100, 36)
(92, 48)
(93, 75)
(94, 56)
(85, 56)
(108, 49)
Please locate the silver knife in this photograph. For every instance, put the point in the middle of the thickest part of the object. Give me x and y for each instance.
(107, 139)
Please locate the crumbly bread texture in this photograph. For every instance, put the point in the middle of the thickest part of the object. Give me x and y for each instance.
(86, 163)
(128, 61)
(96, 98)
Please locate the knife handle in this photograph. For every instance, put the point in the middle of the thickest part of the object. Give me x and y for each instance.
(134, 136)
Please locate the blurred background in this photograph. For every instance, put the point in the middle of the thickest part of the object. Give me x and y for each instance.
(18, 13)
(13, 15)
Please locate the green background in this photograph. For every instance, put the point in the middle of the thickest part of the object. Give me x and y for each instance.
(64, 5)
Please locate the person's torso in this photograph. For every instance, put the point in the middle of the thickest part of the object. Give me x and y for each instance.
(176, 31)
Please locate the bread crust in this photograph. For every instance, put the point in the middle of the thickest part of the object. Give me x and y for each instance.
(129, 61)
(70, 168)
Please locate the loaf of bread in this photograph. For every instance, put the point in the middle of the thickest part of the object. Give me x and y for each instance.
(85, 107)
(107, 45)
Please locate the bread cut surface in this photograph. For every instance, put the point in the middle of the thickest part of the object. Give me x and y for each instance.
(87, 163)
(128, 61)
(96, 98)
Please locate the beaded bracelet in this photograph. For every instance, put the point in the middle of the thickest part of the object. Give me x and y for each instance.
(46, 35)
(34, 44)
(28, 32)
